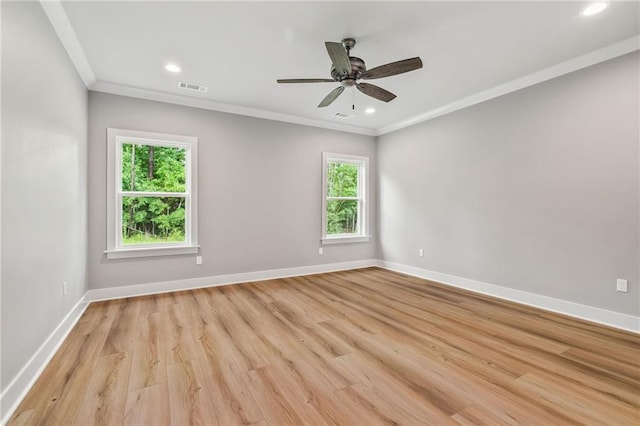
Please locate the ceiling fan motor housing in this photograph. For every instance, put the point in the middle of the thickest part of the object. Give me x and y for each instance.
(357, 68)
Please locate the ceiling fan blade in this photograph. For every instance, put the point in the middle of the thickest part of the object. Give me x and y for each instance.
(331, 97)
(376, 92)
(339, 57)
(393, 68)
(306, 80)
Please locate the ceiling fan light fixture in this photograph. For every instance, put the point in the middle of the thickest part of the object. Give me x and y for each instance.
(370, 110)
(594, 8)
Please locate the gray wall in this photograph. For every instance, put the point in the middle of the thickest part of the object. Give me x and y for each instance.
(537, 190)
(44, 141)
(259, 191)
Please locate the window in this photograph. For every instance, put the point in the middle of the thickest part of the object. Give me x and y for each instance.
(151, 194)
(344, 203)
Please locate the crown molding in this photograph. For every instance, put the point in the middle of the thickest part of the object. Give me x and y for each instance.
(152, 95)
(60, 22)
(604, 54)
(61, 25)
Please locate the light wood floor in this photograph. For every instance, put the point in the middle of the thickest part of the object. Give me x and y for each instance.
(358, 347)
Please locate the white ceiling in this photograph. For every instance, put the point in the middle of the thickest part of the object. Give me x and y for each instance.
(471, 51)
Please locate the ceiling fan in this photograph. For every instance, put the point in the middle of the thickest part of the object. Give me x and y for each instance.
(349, 70)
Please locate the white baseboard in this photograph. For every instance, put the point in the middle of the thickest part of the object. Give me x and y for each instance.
(218, 280)
(15, 391)
(589, 313)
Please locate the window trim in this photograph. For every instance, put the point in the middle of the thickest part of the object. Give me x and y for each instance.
(115, 249)
(363, 197)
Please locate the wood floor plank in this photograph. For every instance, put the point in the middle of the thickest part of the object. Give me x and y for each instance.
(277, 410)
(245, 339)
(289, 347)
(317, 390)
(580, 403)
(147, 406)
(256, 313)
(23, 418)
(366, 346)
(106, 395)
(401, 403)
(149, 362)
(474, 415)
(189, 399)
(308, 402)
(370, 412)
(122, 334)
(227, 388)
(179, 344)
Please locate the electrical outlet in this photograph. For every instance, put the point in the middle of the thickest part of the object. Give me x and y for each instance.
(621, 285)
(64, 288)
(198, 260)
(421, 252)
(320, 251)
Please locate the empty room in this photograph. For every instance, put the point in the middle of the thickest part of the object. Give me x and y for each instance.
(320, 213)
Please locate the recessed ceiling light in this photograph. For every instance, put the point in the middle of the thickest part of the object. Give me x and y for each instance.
(172, 68)
(370, 110)
(595, 8)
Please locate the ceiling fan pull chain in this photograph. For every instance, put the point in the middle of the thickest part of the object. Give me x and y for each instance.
(353, 98)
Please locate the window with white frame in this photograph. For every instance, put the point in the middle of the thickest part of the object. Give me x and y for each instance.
(344, 201)
(152, 201)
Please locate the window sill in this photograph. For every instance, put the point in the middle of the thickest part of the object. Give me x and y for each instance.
(150, 252)
(346, 240)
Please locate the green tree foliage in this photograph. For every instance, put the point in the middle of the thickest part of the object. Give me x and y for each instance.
(148, 168)
(342, 214)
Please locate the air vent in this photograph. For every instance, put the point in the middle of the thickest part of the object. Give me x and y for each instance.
(342, 115)
(191, 86)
